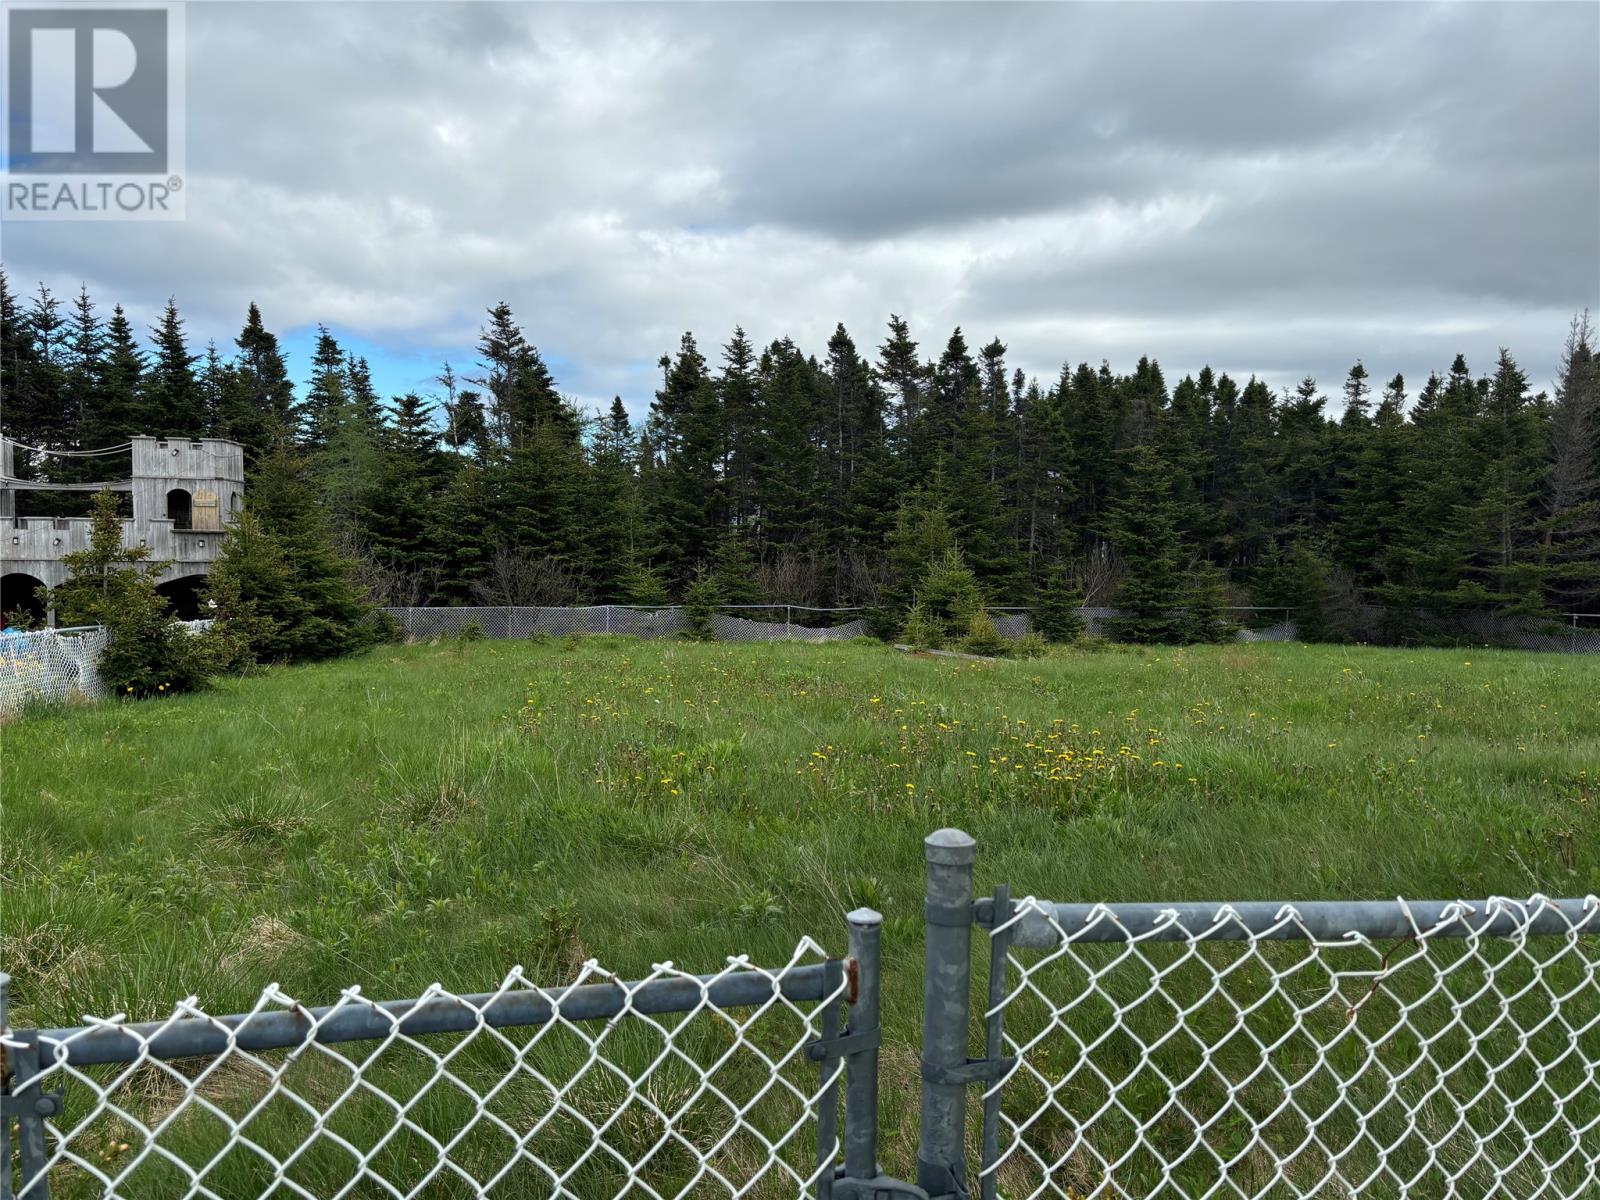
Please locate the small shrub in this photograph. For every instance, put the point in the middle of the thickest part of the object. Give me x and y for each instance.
(225, 649)
(1055, 614)
(471, 632)
(983, 638)
(1030, 645)
(700, 605)
(759, 907)
(1203, 619)
(922, 630)
(950, 591)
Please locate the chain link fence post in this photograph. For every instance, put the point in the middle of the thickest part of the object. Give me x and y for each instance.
(946, 996)
(5, 1087)
(21, 1100)
(861, 1066)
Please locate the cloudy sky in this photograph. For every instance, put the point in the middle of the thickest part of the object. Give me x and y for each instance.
(1278, 188)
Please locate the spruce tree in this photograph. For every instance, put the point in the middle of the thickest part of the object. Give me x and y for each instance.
(1143, 528)
(905, 382)
(172, 404)
(21, 409)
(398, 521)
(115, 416)
(114, 586)
(255, 597)
(734, 570)
(85, 369)
(738, 395)
(793, 392)
(1512, 441)
(615, 530)
(320, 413)
(1055, 614)
(1379, 475)
(1568, 524)
(334, 619)
(257, 404)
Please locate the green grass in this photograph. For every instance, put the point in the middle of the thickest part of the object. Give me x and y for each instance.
(439, 813)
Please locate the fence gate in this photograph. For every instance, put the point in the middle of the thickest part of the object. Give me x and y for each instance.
(1261, 1049)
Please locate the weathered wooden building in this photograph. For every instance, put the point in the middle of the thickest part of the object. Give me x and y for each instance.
(184, 492)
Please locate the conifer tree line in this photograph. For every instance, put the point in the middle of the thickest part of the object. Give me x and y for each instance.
(770, 474)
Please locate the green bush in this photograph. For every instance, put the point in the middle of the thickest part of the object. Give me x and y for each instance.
(983, 638)
(1055, 613)
(148, 653)
(1202, 619)
(950, 592)
(922, 630)
(1030, 645)
(700, 605)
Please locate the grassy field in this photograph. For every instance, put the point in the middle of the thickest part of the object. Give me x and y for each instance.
(438, 813)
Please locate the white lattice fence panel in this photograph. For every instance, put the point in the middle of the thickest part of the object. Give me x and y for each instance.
(1428, 1065)
(707, 1101)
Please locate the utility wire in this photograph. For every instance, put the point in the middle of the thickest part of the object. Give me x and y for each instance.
(73, 453)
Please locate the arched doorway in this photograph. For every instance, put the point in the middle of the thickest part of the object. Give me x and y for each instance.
(183, 596)
(19, 600)
(180, 508)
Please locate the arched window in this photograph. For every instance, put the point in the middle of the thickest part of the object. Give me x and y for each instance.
(234, 504)
(180, 508)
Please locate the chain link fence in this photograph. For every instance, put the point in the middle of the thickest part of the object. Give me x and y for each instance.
(729, 623)
(51, 666)
(669, 1086)
(1262, 1050)
(1577, 633)
(1571, 633)
(1256, 1050)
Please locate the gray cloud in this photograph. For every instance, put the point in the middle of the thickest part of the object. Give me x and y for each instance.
(1272, 188)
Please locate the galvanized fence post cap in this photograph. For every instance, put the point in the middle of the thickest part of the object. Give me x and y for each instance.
(950, 848)
(864, 917)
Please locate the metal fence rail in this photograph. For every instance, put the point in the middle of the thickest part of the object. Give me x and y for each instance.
(1254, 1050)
